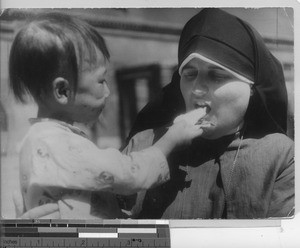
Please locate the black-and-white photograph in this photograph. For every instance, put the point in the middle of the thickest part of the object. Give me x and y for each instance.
(147, 113)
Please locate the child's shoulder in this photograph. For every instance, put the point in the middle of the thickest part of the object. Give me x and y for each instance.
(56, 134)
(41, 129)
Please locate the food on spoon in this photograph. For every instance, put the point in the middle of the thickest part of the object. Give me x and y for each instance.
(194, 117)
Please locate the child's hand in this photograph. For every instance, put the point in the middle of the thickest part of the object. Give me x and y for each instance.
(182, 133)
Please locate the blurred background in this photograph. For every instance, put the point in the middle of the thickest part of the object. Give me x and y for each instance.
(143, 44)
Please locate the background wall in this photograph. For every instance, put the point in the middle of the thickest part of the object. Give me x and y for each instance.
(136, 37)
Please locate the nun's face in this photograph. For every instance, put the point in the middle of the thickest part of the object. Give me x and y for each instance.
(225, 96)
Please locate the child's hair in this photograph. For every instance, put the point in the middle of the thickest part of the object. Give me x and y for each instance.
(50, 45)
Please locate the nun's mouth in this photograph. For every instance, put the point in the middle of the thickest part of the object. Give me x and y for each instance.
(202, 105)
(202, 121)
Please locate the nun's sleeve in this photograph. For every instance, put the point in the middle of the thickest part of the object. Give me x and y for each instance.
(283, 196)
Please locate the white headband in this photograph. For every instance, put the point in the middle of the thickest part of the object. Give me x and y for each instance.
(201, 57)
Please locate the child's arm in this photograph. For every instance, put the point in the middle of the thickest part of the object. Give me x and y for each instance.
(181, 133)
(64, 159)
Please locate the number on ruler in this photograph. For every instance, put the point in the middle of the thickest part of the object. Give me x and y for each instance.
(136, 242)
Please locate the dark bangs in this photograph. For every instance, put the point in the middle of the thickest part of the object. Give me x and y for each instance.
(51, 45)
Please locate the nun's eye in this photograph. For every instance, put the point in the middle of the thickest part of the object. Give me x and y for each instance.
(189, 74)
(219, 75)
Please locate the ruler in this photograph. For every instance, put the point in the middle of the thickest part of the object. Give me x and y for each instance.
(85, 233)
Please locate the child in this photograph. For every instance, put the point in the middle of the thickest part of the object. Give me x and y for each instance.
(62, 63)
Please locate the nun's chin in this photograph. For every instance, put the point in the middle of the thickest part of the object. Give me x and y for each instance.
(210, 132)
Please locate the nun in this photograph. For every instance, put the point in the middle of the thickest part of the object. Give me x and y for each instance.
(243, 164)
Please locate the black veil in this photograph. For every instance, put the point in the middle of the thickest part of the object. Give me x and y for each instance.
(237, 45)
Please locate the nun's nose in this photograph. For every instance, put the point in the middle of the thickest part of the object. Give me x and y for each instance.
(200, 89)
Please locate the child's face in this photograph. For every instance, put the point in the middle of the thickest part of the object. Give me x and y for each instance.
(92, 90)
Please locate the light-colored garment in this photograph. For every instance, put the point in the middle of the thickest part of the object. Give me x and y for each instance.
(58, 164)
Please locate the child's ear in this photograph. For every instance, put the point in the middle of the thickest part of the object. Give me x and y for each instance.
(61, 90)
